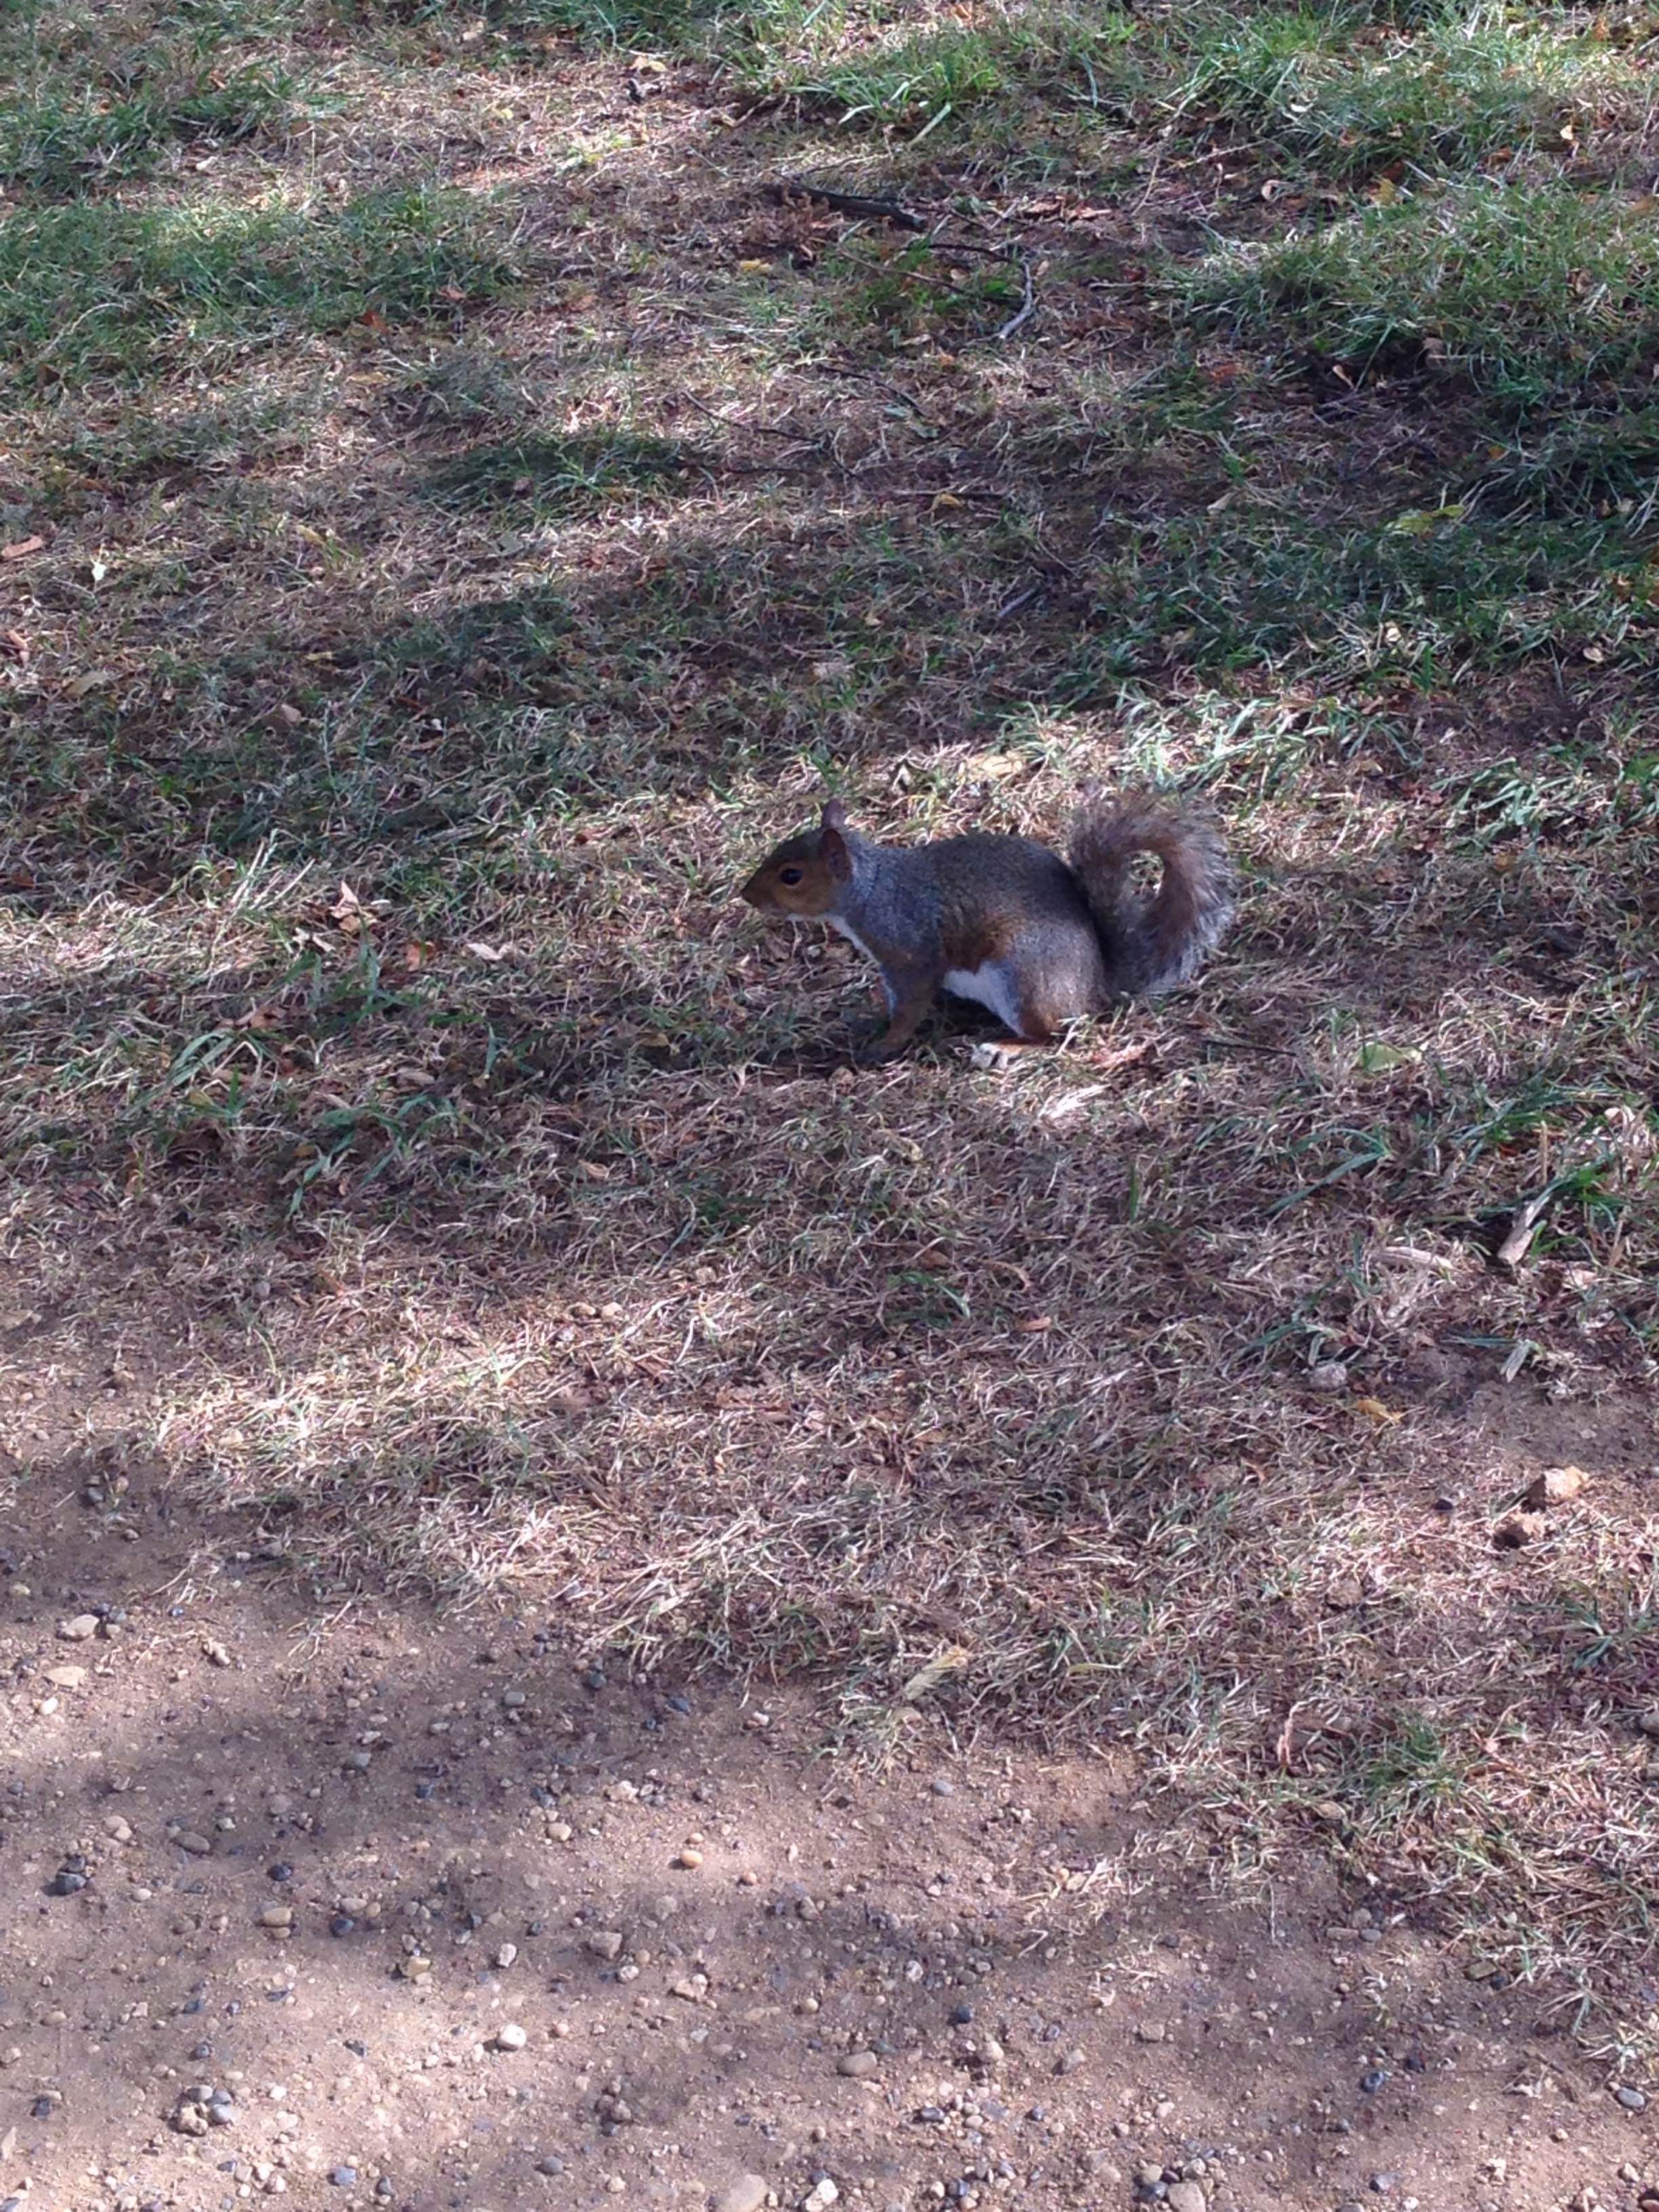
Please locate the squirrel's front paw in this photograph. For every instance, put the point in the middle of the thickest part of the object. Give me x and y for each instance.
(875, 1052)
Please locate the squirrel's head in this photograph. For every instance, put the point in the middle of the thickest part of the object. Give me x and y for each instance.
(806, 875)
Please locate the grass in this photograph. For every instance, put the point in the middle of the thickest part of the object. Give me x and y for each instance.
(61, 142)
(448, 549)
(88, 291)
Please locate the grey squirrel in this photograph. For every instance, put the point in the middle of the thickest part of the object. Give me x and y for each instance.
(1007, 922)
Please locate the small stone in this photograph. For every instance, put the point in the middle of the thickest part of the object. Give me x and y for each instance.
(1648, 1723)
(505, 1955)
(1371, 2082)
(117, 1830)
(1072, 2062)
(1149, 2176)
(690, 1859)
(1555, 1486)
(416, 1967)
(942, 1786)
(606, 1945)
(1385, 2184)
(1186, 2197)
(1633, 2100)
(198, 1846)
(342, 1924)
(190, 2119)
(551, 2165)
(1328, 1376)
(66, 1678)
(76, 1631)
(748, 2193)
(220, 2112)
(858, 2065)
(278, 1916)
(65, 1883)
(961, 2015)
(820, 2197)
(343, 2177)
(511, 2037)
(216, 1654)
(1151, 2031)
(359, 1762)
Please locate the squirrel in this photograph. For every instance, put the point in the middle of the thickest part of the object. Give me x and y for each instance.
(1004, 920)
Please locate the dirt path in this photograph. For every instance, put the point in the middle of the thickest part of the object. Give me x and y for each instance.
(313, 1870)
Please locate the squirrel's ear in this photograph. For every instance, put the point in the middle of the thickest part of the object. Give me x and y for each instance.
(832, 841)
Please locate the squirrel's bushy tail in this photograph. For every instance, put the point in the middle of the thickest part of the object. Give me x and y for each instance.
(1151, 943)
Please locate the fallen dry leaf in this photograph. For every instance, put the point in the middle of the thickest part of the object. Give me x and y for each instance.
(1555, 1485)
(1375, 1410)
(22, 549)
(1516, 1529)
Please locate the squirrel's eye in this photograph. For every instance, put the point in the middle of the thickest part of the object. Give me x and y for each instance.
(788, 875)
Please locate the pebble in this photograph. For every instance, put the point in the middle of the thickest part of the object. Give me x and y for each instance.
(858, 2065)
(66, 1678)
(690, 1859)
(1385, 2184)
(507, 1953)
(820, 2197)
(342, 1924)
(748, 2193)
(1151, 2031)
(606, 1945)
(511, 2037)
(117, 1830)
(343, 2177)
(1186, 2197)
(943, 1786)
(552, 2164)
(198, 1846)
(1329, 1375)
(278, 1916)
(1633, 2100)
(79, 1629)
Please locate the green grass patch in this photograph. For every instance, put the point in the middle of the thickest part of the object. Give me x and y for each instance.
(88, 289)
(60, 141)
(1349, 96)
(575, 473)
(1529, 291)
(920, 81)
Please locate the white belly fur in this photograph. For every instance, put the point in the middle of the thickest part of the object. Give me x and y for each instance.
(987, 985)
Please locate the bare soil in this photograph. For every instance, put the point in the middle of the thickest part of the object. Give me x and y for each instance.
(1055, 1997)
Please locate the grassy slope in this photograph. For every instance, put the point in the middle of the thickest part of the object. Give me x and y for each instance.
(477, 515)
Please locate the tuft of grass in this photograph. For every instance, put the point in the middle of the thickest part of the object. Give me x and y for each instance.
(1533, 292)
(91, 290)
